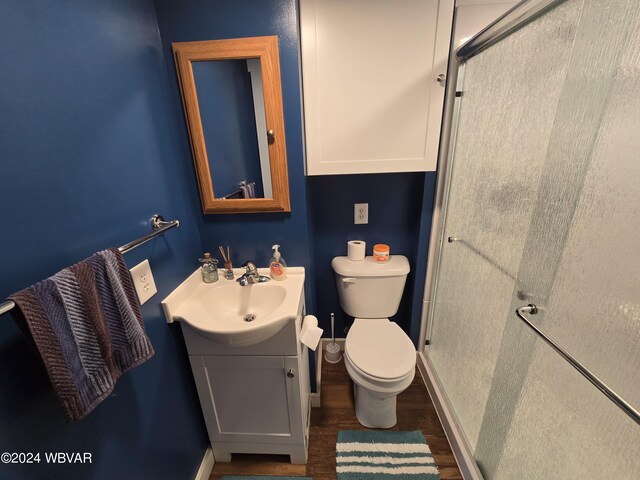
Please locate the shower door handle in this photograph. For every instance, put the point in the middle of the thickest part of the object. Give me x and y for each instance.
(620, 402)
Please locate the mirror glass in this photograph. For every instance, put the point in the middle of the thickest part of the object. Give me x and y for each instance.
(232, 96)
(231, 101)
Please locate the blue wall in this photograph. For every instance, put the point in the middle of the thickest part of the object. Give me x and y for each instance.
(250, 235)
(321, 220)
(90, 150)
(322, 207)
(93, 141)
(395, 218)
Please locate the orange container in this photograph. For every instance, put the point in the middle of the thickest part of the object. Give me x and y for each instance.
(381, 252)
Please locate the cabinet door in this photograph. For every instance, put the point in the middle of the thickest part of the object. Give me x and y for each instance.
(372, 100)
(249, 399)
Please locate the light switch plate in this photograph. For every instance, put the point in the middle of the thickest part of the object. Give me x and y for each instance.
(143, 281)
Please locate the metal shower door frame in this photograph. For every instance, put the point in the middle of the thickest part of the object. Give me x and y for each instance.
(520, 15)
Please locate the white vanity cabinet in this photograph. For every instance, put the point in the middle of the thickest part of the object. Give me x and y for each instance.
(254, 399)
(373, 83)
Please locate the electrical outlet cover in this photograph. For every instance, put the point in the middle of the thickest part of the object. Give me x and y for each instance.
(143, 281)
(360, 213)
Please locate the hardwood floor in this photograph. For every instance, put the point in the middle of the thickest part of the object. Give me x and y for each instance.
(415, 412)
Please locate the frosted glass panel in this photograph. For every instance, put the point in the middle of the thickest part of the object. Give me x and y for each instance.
(489, 196)
(544, 203)
(593, 309)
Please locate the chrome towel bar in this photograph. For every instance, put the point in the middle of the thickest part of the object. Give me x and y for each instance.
(159, 226)
(584, 371)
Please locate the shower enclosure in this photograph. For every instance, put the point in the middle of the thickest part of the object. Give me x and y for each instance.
(539, 203)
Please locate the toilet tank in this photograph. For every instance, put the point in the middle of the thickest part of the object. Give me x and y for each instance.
(368, 289)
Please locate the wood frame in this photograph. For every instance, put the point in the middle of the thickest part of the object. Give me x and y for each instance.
(265, 49)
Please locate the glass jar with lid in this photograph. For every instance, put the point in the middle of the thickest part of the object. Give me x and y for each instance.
(209, 268)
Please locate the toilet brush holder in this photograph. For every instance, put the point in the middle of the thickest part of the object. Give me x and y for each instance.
(332, 350)
(332, 353)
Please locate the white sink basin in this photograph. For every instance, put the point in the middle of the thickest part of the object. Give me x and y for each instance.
(228, 313)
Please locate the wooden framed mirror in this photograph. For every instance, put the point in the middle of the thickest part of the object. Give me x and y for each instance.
(232, 97)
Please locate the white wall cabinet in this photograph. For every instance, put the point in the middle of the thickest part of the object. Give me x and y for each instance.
(372, 99)
(254, 399)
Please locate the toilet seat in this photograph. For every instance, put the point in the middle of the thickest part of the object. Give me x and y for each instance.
(380, 351)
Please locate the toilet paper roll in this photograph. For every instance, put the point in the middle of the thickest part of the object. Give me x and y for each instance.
(356, 250)
(310, 333)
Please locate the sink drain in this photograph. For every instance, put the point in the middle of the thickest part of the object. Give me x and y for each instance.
(249, 318)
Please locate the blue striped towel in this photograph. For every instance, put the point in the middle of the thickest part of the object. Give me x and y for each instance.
(86, 324)
(375, 454)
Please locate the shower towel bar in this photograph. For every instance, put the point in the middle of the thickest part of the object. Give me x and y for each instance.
(159, 226)
(584, 371)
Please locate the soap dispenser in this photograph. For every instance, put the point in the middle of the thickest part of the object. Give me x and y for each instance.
(277, 265)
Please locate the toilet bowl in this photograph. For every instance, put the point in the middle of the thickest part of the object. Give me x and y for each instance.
(380, 359)
(379, 356)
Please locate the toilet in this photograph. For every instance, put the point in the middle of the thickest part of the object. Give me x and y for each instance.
(380, 358)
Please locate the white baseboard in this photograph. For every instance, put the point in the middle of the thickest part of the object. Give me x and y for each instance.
(316, 396)
(459, 446)
(206, 466)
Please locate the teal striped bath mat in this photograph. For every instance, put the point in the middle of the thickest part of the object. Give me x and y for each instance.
(384, 455)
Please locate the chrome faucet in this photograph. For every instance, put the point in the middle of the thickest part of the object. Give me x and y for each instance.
(251, 275)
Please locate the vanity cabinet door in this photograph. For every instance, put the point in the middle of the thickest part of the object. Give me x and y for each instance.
(373, 80)
(250, 399)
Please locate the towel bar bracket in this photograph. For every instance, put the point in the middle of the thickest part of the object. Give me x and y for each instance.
(158, 221)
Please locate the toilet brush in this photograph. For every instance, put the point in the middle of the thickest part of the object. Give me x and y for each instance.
(332, 352)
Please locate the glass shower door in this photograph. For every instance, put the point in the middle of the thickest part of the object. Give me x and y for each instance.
(543, 208)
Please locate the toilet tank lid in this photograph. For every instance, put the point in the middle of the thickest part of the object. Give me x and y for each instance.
(397, 265)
